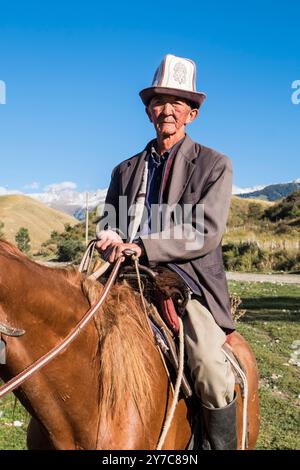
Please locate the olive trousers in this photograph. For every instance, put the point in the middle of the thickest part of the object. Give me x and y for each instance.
(211, 371)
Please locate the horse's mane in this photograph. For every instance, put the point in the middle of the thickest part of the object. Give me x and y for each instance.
(9, 248)
(70, 274)
(126, 351)
(125, 345)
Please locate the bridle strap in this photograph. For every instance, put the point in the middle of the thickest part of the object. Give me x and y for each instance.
(87, 257)
(49, 356)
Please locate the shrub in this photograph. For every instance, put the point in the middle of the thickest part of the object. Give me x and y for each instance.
(255, 211)
(288, 208)
(248, 256)
(23, 240)
(287, 262)
(70, 249)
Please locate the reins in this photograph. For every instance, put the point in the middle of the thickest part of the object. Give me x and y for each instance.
(50, 355)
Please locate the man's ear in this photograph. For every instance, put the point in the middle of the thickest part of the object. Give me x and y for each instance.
(192, 115)
(148, 113)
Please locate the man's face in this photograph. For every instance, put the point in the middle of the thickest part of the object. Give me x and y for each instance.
(169, 114)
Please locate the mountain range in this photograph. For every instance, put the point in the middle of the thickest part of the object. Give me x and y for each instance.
(272, 192)
(74, 202)
(70, 201)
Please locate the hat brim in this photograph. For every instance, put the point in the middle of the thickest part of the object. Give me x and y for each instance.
(148, 93)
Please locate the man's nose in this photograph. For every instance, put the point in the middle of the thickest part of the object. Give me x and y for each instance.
(168, 108)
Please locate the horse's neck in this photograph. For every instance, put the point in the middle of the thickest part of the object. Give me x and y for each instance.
(64, 395)
(70, 382)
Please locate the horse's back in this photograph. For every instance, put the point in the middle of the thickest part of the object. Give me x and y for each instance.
(246, 358)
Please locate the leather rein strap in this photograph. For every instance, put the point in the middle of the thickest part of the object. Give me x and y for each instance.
(49, 356)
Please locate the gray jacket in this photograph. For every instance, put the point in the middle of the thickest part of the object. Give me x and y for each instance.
(199, 175)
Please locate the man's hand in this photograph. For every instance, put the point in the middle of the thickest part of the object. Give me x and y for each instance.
(113, 243)
(105, 239)
(117, 250)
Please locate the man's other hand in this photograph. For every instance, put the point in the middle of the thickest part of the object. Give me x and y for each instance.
(116, 247)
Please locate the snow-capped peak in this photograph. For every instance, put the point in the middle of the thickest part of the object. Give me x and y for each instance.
(237, 190)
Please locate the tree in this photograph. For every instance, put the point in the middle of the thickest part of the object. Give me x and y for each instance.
(69, 245)
(23, 240)
(1, 230)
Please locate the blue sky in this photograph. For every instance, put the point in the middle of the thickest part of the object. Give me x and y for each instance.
(73, 71)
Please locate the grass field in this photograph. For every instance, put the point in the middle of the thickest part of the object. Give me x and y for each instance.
(272, 327)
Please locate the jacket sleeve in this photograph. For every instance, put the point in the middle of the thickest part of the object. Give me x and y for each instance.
(187, 241)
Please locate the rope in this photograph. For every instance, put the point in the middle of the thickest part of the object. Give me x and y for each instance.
(245, 397)
(87, 257)
(169, 419)
(171, 413)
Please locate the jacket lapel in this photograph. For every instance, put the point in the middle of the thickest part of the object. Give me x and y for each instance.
(182, 170)
(132, 177)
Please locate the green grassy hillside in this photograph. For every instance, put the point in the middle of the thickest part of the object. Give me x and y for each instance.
(273, 225)
(18, 211)
(263, 236)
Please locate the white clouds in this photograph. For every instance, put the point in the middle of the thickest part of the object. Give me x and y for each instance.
(236, 189)
(5, 191)
(58, 187)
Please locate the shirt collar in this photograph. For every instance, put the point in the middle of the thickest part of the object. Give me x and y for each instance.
(171, 151)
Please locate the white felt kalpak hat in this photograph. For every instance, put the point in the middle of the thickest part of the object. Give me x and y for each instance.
(175, 76)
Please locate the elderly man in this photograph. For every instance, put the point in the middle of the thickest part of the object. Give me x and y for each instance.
(180, 171)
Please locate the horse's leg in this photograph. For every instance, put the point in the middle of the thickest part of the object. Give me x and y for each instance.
(246, 356)
(36, 436)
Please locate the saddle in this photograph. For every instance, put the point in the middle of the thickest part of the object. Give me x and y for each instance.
(167, 295)
(162, 287)
(162, 290)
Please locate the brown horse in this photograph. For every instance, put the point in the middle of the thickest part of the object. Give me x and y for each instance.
(109, 389)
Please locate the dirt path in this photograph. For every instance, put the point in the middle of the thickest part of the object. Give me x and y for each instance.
(233, 276)
(256, 277)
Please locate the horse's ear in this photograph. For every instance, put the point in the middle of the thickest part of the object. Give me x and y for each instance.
(91, 289)
(6, 329)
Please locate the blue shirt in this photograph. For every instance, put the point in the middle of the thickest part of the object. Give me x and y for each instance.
(156, 170)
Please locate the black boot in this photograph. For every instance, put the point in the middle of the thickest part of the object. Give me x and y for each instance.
(220, 427)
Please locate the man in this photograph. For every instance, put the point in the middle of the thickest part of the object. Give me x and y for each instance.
(180, 171)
